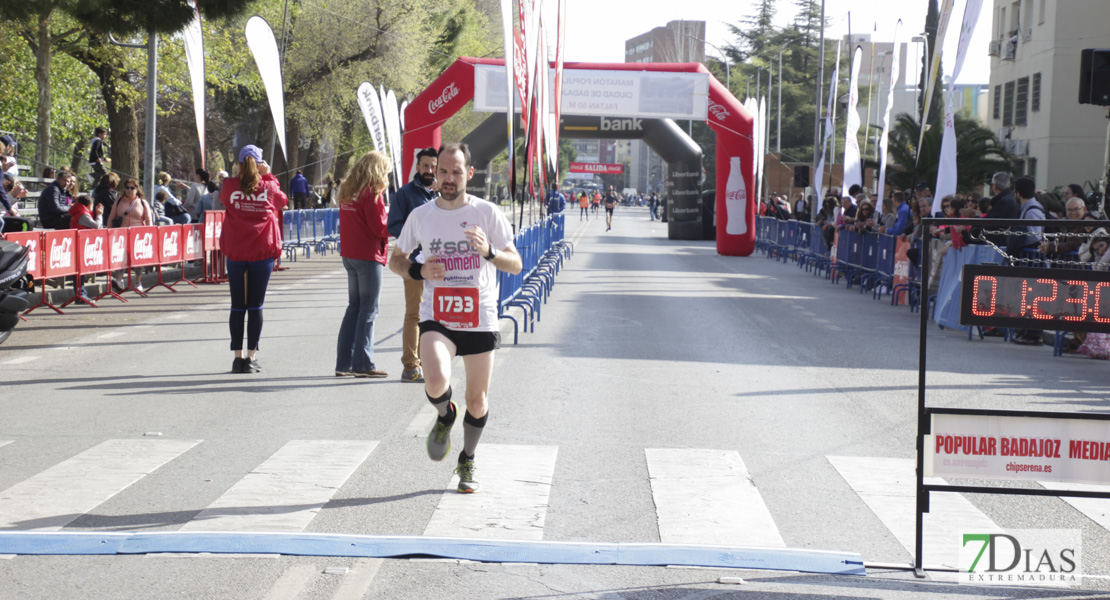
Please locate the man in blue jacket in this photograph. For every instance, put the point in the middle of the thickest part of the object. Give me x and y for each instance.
(903, 211)
(415, 193)
(298, 186)
(556, 201)
(53, 211)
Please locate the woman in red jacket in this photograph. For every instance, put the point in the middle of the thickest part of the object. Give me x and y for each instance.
(251, 240)
(364, 243)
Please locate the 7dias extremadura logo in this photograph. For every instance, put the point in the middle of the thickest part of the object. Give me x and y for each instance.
(1033, 557)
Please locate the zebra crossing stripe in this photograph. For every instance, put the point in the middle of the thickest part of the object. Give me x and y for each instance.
(59, 495)
(512, 503)
(707, 497)
(287, 490)
(889, 488)
(1096, 509)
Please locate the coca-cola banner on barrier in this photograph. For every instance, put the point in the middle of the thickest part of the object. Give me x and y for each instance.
(194, 242)
(172, 240)
(209, 230)
(143, 246)
(61, 253)
(92, 251)
(32, 240)
(117, 249)
(219, 228)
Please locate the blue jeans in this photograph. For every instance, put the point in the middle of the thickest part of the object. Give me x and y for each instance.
(247, 282)
(355, 349)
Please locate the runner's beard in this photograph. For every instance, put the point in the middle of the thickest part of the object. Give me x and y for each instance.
(452, 194)
(427, 179)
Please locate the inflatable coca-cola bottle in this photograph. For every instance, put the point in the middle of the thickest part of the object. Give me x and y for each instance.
(736, 200)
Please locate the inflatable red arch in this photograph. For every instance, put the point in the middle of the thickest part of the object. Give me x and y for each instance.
(728, 119)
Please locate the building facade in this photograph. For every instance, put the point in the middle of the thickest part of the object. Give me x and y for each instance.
(1034, 88)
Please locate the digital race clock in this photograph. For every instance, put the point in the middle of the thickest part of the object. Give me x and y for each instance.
(1032, 298)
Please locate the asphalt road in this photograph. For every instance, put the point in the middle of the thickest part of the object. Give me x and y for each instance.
(667, 396)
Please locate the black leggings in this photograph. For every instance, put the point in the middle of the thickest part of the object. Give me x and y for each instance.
(247, 281)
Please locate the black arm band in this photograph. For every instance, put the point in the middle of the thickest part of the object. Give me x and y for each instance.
(414, 271)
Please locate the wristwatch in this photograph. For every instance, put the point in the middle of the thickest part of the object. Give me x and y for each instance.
(492, 254)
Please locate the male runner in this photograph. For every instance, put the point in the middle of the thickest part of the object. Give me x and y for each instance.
(460, 236)
(413, 194)
(611, 200)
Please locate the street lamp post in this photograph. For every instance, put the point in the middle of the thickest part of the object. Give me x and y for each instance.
(778, 134)
(724, 59)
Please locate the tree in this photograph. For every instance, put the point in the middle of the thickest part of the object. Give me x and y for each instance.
(978, 153)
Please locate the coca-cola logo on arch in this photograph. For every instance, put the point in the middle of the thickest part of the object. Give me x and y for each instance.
(445, 96)
(719, 111)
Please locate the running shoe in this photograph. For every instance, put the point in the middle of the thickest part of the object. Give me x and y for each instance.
(237, 365)
(343, 373)
(413, 375)
(251, 366)
(371, 374)
(465, 471)
(439, 438)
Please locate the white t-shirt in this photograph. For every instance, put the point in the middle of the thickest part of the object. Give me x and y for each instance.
(441, 233)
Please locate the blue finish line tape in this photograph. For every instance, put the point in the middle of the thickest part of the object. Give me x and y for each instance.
(372, 546)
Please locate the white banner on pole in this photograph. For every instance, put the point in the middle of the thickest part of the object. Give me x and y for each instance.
(853, 172)
(393, 131)
(372, 112)
(884, 138)
(830, 127)
(264, 48)
(947, 169)
(761, 140)
(194, 56)
(934, 68)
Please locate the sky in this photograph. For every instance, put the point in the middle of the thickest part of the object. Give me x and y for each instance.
(597, 29)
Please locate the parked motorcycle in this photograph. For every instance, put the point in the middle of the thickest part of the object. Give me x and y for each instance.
(13, 268)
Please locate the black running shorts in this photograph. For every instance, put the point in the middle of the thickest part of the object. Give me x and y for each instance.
(466, 342)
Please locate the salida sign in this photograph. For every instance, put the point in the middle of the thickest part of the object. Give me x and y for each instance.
(602, 168)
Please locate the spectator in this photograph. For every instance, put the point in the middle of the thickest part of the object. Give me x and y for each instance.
(10, 194)
(131, 208)
(7, 155)
(1073, 190)
(903, 221)
(171, 207)
(105, 193)
(847, 213)
(865, 218)
(887, 218)
(48, 173)
(96, 154)
(801, 208)
(299, 188)
(826, 220)
(1075, 233)
(556, 201)
(984, 207)
(1052, 204)
(923, 193)
(1025, 237)
(196, 190)
(159, 207)
(217, 204)
(53, 205)
(206, 202)
(653, 205)
(330, 190)
(82, 215)
(1089, 251)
